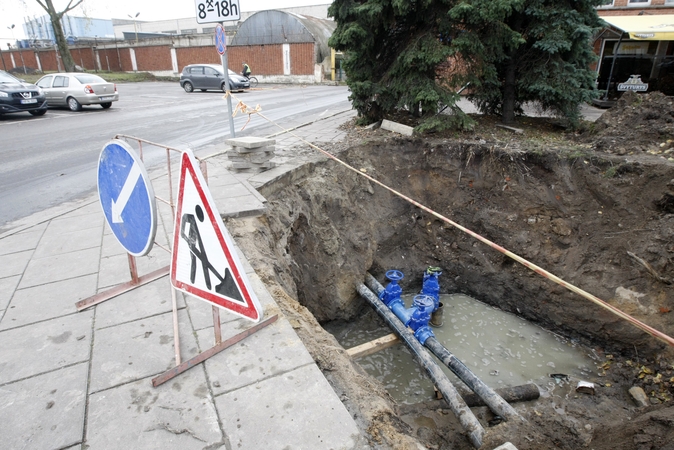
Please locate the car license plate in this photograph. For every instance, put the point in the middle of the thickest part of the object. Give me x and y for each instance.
(28, 101)
(104, 99)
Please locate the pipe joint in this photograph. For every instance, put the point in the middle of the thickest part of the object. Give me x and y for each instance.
(420, 312)
(423, 333)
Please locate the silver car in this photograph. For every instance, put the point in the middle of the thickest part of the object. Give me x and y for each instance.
(77, 89)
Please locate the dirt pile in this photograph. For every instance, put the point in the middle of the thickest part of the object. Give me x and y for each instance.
(598, 220)
(638, 123)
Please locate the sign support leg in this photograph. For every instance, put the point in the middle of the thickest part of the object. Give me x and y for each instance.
(203, 356)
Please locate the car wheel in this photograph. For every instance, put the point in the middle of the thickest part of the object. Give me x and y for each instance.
(224, 89)
(73, 104)
(188, 87)
(39, 112)
(106, 105)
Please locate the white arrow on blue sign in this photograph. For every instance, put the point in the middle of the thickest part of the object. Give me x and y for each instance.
(127, 197)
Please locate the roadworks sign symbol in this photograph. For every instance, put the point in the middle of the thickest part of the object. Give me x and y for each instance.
(204, 262)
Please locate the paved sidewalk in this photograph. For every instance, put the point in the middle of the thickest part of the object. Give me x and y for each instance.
(76, 380)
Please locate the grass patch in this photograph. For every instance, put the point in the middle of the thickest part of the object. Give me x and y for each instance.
(113, 77)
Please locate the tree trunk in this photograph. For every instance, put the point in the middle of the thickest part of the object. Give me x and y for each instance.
(508, 114)
(60, 38)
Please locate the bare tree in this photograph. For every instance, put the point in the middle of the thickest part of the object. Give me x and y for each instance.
(55, 18)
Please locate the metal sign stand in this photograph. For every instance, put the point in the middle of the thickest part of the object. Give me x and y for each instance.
(217, 331)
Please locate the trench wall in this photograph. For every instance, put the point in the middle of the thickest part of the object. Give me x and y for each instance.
(331, 226)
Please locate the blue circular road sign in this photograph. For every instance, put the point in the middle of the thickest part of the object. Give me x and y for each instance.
(127, 198)
(220, 39)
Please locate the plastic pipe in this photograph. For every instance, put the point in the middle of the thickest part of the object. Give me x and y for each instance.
(450, 394)
(487, 394)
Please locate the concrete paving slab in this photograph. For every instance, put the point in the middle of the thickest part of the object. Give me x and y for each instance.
(44, 347)
(47, 301)
(20, 242)
(44, 412)
(178, 415)
(14, 263)
(77, 222)
(148, 300)
(295, 410)
(7, 287)
(110, 245)
(58, 242)
(60, 267)
(136, 350)
(271, 351)
(115, 270)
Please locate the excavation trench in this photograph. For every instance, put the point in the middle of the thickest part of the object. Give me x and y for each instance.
(574, 214)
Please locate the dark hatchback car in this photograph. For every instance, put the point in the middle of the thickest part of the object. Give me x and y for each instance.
(210, 76)
(19, 96)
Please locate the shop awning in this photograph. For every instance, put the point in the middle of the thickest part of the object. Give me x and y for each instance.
(645, 28)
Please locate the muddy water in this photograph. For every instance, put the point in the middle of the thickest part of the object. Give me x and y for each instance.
(500, 348)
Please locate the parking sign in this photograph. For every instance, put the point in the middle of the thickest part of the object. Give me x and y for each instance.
(209, 11)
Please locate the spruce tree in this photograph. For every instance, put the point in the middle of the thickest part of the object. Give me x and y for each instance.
(511, 52)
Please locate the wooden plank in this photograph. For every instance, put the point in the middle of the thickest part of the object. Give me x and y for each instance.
(371, 347)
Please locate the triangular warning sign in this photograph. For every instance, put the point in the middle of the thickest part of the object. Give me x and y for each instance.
(204, 262)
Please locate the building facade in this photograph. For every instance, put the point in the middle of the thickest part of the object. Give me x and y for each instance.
(636, 50)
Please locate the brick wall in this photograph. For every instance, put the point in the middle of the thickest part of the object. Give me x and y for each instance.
(262, 59)
(153, 58)
(621, 8)
(302, 58)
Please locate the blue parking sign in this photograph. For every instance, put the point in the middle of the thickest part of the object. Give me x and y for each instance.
(127, 197)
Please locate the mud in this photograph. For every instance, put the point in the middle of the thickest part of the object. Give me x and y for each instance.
(599, 219)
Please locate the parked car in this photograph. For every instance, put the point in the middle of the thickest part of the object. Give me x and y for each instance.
(18, 96)
(210, 76)
(77, 89)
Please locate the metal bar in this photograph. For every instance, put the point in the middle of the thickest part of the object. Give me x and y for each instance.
(148, 142)
(176, 326)
(615, 57)
(203, 356)
(217, 330)
(121, 289)
(133, 269)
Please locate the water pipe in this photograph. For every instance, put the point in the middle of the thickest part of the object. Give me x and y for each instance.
(487, 394)
(465, 416)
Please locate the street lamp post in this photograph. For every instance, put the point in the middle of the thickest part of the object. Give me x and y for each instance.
(135, 27)
(20, 52)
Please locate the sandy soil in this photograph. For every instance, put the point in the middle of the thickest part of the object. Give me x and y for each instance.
(595, 207)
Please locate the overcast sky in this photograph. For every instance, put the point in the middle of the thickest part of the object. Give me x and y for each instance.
(14, 11)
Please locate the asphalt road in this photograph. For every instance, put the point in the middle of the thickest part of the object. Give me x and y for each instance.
(48, 160)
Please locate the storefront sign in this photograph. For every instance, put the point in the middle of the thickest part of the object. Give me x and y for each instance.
(633, 84)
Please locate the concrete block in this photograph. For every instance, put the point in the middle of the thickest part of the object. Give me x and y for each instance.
(250, 142)
(261, 157)
(302, 412)
(397, 127)
(506, 446)
(46, 411)
(245, 150)
(45, 346)
(176, 415)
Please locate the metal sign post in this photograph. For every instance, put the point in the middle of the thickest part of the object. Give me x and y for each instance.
(221, 47)
(220, 11)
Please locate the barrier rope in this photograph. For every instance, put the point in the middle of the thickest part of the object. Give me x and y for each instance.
(531, 266)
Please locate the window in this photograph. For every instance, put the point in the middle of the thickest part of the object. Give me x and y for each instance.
(210, 30)
(45, 82)
(210, 71)
(61, 81)
(638, 2)
(189, 31)
(607, 4)
(196, 70)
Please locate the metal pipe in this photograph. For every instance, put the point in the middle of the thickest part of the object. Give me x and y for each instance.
(487, 394)
(438, 377)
